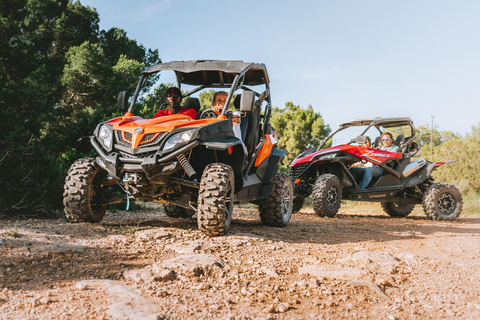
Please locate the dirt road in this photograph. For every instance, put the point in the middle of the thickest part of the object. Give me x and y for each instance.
(149, 266)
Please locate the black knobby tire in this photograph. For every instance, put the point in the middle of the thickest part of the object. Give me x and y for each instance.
(173, 211)
(326, 195)
(276, 209)
(215, 199)
(398, 210)
(83, 190)
(298, 203)
(442, 201)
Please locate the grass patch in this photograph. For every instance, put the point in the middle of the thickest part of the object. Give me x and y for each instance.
(126, 230)
(12, 232)
(471, 204)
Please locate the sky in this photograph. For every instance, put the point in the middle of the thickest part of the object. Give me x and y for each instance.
(348, 59)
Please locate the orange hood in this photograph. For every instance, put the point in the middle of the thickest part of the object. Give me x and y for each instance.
(152, 127)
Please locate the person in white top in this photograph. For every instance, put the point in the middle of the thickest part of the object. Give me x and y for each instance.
(218, 101)
(376, 171)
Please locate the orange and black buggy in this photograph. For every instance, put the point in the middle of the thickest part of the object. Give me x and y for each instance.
(193, 166)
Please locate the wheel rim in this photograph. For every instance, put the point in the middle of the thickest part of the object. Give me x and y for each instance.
(446, 203)
(287, 200)
(332, 197)
(228, 205)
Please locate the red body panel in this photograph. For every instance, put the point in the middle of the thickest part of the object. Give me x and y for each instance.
(374, 156)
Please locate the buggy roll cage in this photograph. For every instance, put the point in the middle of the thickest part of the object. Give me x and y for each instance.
(213, 74)
(377, 123)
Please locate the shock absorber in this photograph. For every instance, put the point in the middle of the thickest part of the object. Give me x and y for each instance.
(186, 165)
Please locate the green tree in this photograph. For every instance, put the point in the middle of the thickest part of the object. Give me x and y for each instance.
(59, 77)
(298, 129)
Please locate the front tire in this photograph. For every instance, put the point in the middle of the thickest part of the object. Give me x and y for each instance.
(442, 201)
(397, 210)
(276, 209)
(215, 199)
(83, 194)
(326, 195)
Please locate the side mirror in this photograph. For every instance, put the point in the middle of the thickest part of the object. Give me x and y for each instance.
(361, 139)
(123, 101)
(247, 101)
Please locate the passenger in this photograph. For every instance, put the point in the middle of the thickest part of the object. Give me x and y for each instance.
(219, 100)
(368, 143)
(173, 95)
(376, 171)
(363, 163)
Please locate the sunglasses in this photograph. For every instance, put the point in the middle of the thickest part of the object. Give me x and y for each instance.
(386, 139)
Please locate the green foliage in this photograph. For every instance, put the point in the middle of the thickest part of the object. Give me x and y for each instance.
(126, 230)
(425, 136)
(59, 77)
(298, 129)
(464, 173)
(13, 232)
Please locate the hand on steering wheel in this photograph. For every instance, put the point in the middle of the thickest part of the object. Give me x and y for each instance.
(208, 114)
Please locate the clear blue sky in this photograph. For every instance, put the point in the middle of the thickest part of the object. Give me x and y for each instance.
(349, 59)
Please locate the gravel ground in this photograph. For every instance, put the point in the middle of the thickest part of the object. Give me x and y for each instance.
(146, 265)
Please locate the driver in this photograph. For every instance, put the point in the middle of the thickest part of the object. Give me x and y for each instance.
(376, 171)
(219, 100)
(173, 95)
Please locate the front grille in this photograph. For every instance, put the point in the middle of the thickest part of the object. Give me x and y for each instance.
(147, 139)
(296, 171)
(119, 137)
(139, 156)
(125, 138)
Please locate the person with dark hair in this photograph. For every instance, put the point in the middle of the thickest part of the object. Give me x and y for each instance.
(173, 95)
(376, 171)
(218, 101)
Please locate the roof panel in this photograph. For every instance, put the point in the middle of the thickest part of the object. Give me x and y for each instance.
(207, 72)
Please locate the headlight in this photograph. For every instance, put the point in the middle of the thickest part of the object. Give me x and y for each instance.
(177, 138)
(105, 134)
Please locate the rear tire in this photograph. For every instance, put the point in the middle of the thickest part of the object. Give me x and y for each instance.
(397, 210)
(276, 209)
(326, 195)
(174, 211)
(83, 191)
(442, 201)
(215, 199)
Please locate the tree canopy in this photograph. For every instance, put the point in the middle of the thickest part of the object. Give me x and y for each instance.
(59, 77)
(298, 129)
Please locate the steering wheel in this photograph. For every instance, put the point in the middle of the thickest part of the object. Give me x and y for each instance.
(208, 114)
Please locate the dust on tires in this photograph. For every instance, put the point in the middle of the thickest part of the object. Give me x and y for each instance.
(215, 199)
(326, 195)
(442, 201)
(398, 210)
(82, 194)
(276, 209)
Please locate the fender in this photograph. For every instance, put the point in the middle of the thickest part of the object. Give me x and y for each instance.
(273, 160)
(435, 165)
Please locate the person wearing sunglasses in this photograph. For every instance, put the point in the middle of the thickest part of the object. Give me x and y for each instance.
(376, 171)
